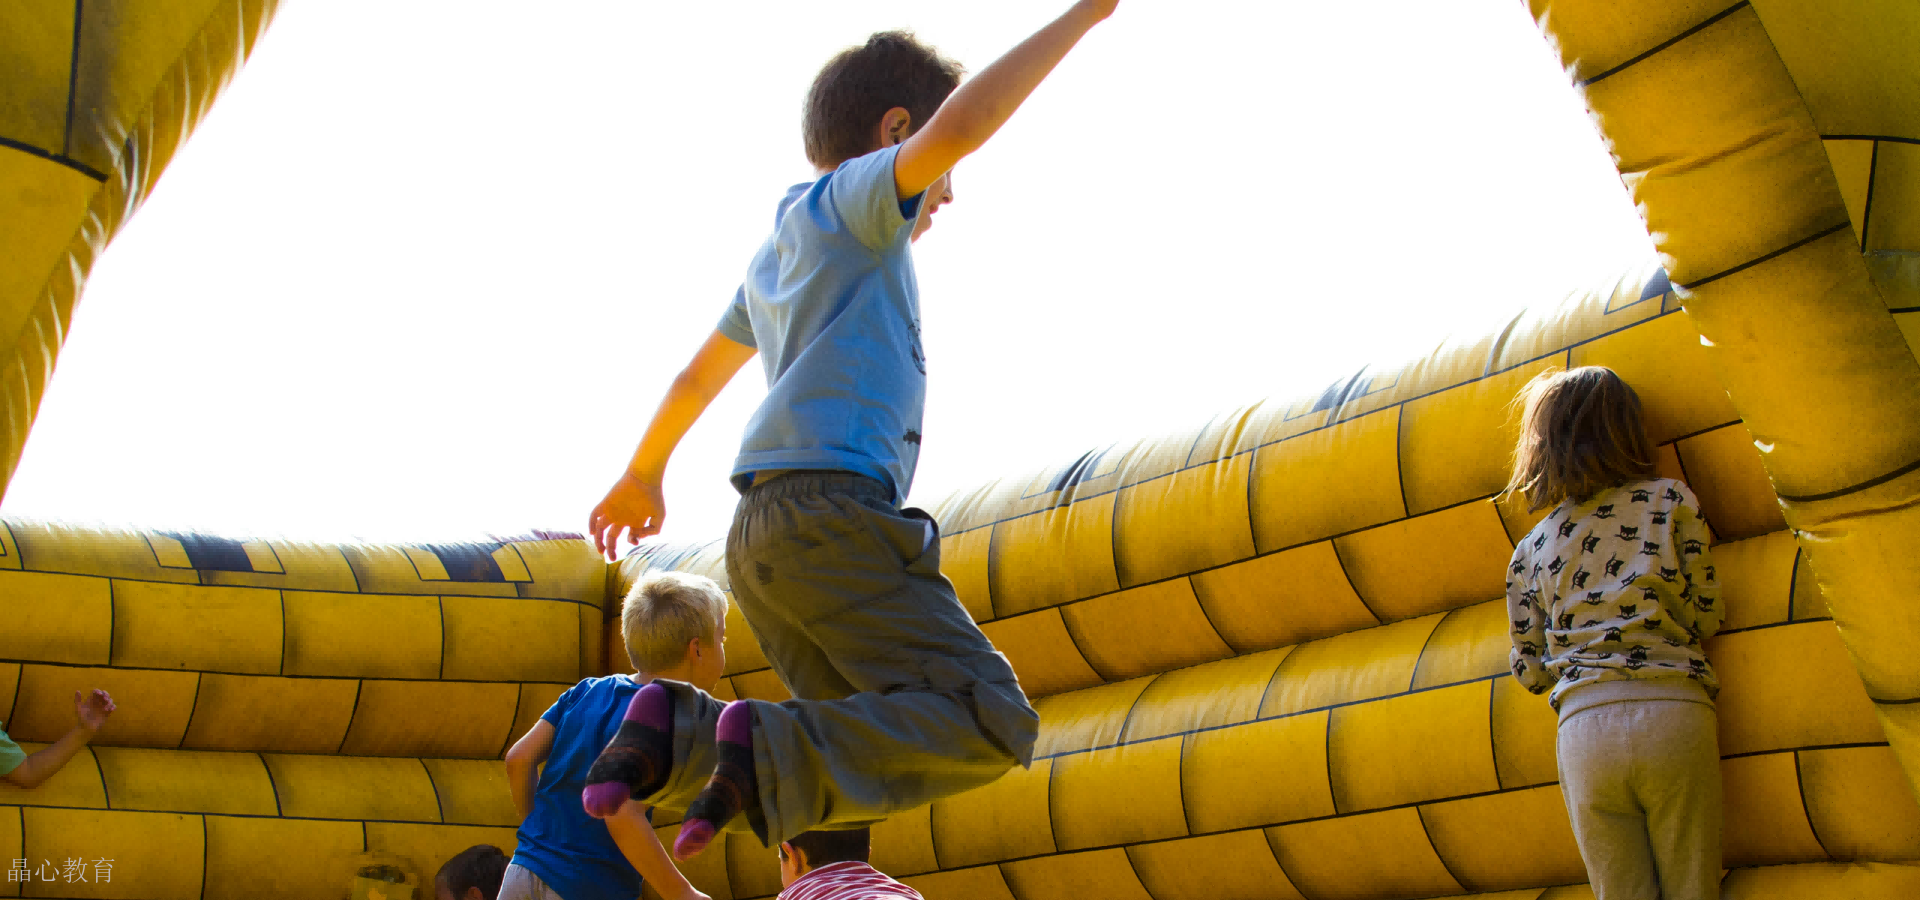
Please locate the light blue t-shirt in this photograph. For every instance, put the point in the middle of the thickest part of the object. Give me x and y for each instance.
(832, 305)
(572, 851)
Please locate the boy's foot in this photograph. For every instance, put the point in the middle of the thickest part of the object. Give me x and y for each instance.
(638, 760)
(732, 787)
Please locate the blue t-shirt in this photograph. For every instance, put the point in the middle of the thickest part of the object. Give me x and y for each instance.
(832, 305)
(572, 851)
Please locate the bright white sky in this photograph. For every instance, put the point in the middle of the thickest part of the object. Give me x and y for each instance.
(425, 270)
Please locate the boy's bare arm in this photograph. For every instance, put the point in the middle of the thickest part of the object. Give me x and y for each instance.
(523, 765)
(979, 107)
(90, 712)
(635, 837)
(635, 504)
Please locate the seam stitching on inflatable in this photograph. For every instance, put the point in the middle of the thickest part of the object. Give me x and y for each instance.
(1326, 763)
(1075, 641)
(1417, 803)
(438, 805)
(441, 603)
(1113, 533)
(205, 852)
(278, 810)
(1493, 745)
(55, 158)
(1332, 423)
(192, 708)
(1288, 715)
(1667, 43)
(350, 569)
(1825, 232)
(519, 697)
(1857, 745)
(1774, 625)
(1793, 580)
(1862, 486)
(1215, 628)
(100, 770)
(1800, 785)
(1267, 838)
(1399, 458)
(1500, 343)
(1127, 852)
(1053, 826)
(1420, 658)
(358, 686)
(1186, 812)
(1870, 137)
(1893, 702)
(68, 665)
(1120, 736)
(113, 616)
(1333, 706)
(1707, 430)
(1421, 813)
(1350, 585)
(1866, 208)
(352, 593)
(73, 77)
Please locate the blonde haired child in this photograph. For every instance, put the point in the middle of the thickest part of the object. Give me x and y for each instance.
(675, 626)
(1609, 598)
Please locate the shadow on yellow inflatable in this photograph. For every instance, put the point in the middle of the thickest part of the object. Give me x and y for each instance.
(1308, 588)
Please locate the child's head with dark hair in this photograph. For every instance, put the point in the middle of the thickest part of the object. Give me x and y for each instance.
(859, 85)
(472, 874)
(814, 849)
(1580, 433)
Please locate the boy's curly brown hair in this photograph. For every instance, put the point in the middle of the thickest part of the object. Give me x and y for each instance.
(856, 87)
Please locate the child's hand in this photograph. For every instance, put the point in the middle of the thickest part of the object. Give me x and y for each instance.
(92, 709)
(1098, 9)
(633, 506)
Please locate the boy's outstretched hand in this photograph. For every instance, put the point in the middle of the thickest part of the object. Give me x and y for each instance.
(633, 506)
(92, 709)
(1100, 8)
(983, 103)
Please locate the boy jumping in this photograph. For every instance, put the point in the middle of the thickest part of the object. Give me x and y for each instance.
(902, 700)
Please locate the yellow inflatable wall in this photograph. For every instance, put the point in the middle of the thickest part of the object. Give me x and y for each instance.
(1307, 589)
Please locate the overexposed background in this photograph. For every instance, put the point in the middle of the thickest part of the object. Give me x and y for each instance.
(426, 268)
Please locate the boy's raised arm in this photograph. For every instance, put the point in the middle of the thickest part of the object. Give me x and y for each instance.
(979, 107)
(635, 504)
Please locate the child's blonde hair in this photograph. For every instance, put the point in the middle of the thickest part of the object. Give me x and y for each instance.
(1580, 433)
(663, 612)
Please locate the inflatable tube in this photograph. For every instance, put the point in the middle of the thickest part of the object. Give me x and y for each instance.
(1311, 590)
(96, 99)
(1773, 148)
(287, 711)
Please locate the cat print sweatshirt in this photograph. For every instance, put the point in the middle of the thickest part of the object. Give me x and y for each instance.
(1616, 588)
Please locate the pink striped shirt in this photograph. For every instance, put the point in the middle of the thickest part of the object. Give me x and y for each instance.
(847, 881)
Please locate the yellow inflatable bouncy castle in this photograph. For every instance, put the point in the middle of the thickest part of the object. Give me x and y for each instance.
(1309, 589)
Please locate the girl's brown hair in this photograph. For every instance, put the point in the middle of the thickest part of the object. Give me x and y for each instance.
(1580, 433)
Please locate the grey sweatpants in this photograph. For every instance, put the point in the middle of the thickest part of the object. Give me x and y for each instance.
(900, 700)
(1642, 784)
(521, 884)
